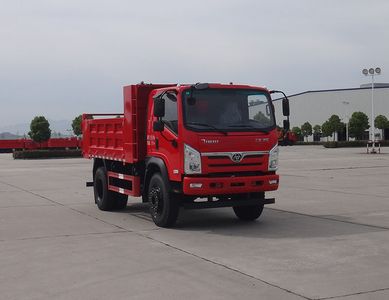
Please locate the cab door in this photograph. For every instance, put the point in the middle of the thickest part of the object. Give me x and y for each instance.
(164, 144)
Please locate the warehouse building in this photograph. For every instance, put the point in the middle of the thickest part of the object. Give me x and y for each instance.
(317, 106)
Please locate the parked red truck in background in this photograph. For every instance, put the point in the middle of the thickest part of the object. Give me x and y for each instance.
(191, 146)
(286, 137)
(28, 144)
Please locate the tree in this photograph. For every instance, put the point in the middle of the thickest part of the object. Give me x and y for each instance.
(335, 124)
(381, 122)
(76, 125)
(358, 123)
(316, 132)
(261, 118)
(297, 131)
(317, 129)
(306, 130)
(326, 129)
(40, 129)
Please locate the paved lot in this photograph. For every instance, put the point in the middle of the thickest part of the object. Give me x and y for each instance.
(327, 236)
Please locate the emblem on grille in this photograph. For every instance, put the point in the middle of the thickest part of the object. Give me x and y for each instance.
(236, 157)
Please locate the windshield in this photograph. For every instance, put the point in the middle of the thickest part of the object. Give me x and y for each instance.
(227, 110)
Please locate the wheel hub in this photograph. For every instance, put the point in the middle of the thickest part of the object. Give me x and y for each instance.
(155, 200)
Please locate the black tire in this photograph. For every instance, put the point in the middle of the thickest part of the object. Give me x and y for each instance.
(120, 201)
(164, 206)
(250, 212)
(103, 197)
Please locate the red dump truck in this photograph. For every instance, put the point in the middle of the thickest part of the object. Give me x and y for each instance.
(191, 146)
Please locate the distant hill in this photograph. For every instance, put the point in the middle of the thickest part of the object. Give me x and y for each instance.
(9, 136)
(61, 126)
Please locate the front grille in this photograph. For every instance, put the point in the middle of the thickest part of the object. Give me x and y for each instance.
(223, 164)
(227, 157)
(236, 174)
(233, 165)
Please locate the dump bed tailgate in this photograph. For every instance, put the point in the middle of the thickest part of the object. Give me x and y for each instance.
(103, 136)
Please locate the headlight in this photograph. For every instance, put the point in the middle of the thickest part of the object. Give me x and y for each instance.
(192, 160)
(273, 159)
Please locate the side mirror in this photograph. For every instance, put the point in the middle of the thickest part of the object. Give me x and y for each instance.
(286, 125)
(158, 126)
(285, 107)
(159, 107)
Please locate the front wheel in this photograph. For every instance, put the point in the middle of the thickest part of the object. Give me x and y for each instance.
(164, 206)
(248, 213)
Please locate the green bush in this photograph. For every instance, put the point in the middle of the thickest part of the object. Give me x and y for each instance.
(300, 143)
(342, 144)
(6, 150)
(331, 144)
(39, 154)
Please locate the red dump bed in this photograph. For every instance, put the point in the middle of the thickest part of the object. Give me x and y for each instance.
(103, 137)
(120, 137)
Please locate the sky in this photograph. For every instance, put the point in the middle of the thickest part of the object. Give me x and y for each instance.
(60, 58)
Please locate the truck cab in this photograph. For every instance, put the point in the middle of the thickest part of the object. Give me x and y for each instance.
(196, 146)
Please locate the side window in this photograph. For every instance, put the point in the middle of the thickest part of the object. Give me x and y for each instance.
(259, 110)
(171, 116)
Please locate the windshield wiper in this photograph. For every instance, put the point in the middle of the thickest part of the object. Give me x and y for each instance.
(207, 125)
(241, 125)
(247, 126)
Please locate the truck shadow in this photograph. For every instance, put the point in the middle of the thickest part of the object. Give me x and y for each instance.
(273, 224)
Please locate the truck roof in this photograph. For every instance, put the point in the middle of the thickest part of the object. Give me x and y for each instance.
(181, 86)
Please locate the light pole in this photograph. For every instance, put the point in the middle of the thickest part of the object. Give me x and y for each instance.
(70, 132)
(372, 72)
(346, 117)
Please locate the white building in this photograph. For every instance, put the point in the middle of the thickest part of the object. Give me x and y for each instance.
(317, 106)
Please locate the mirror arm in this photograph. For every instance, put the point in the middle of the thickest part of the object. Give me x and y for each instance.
(276, 91)
(160, 95)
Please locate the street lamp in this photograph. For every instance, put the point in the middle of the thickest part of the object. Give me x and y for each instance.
(346, 117)
(372, 72)
(70, 132)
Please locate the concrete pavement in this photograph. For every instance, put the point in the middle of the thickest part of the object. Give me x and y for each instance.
(327, 236)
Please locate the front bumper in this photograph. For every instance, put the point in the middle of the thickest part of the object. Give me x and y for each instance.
(206, 186)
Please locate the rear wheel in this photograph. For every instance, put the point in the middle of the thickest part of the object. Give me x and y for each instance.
(120, 201)
(164, 206)
(105, 199)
